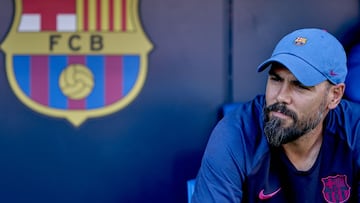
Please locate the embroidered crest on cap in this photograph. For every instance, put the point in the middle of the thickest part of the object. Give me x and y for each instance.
(300, 41)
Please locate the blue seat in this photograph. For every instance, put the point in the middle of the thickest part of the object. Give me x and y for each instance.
(190, 188)
(353, 77)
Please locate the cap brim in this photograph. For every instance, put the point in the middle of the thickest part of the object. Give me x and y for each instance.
(304, 72)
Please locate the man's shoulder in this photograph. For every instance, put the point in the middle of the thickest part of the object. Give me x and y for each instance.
(344, 121)
(243, 126)
(347, 111)
(240, 134)
(245, 114)
(250, 108)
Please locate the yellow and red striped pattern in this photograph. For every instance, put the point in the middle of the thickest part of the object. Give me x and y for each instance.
(104, 15)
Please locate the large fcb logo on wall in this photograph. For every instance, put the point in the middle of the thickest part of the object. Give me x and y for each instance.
(76, 59)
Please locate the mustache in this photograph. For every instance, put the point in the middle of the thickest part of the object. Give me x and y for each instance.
(280, 107)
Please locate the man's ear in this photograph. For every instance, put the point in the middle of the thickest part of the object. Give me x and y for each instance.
(336, 92)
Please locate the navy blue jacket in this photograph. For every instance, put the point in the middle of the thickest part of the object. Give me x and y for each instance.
(239, 166)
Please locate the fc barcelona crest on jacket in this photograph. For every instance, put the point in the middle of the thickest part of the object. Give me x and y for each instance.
(76, 59)
(336, 189)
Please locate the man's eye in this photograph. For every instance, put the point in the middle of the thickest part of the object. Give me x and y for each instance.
(274, 78)
(301, 86)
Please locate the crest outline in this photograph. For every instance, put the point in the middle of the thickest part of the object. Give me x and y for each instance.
(132, 42)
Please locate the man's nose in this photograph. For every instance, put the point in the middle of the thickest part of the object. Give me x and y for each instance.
(284, 95)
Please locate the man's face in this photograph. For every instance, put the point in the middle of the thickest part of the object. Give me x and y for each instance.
(292, 109)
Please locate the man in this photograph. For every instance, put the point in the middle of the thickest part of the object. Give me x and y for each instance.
(299, 142)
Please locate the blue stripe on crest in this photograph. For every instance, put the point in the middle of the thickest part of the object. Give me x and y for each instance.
(22, 72)
(96, 98)
(131, 72)
(56, 65)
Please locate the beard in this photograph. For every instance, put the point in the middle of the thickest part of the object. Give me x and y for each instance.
(275, 131)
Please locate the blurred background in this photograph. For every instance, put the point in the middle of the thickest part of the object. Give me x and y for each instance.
(204, 55)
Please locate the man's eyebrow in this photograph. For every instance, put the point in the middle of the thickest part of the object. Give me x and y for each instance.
(297, 82)
(272, 72)
(294, 81)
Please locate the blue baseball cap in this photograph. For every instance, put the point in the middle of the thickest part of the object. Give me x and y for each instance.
(312, 55)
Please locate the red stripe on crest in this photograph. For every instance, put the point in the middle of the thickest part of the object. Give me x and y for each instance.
(39, 81)
(111, 15)
(98, 15)
(113, 79)
(86, 15)
(123, 17)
